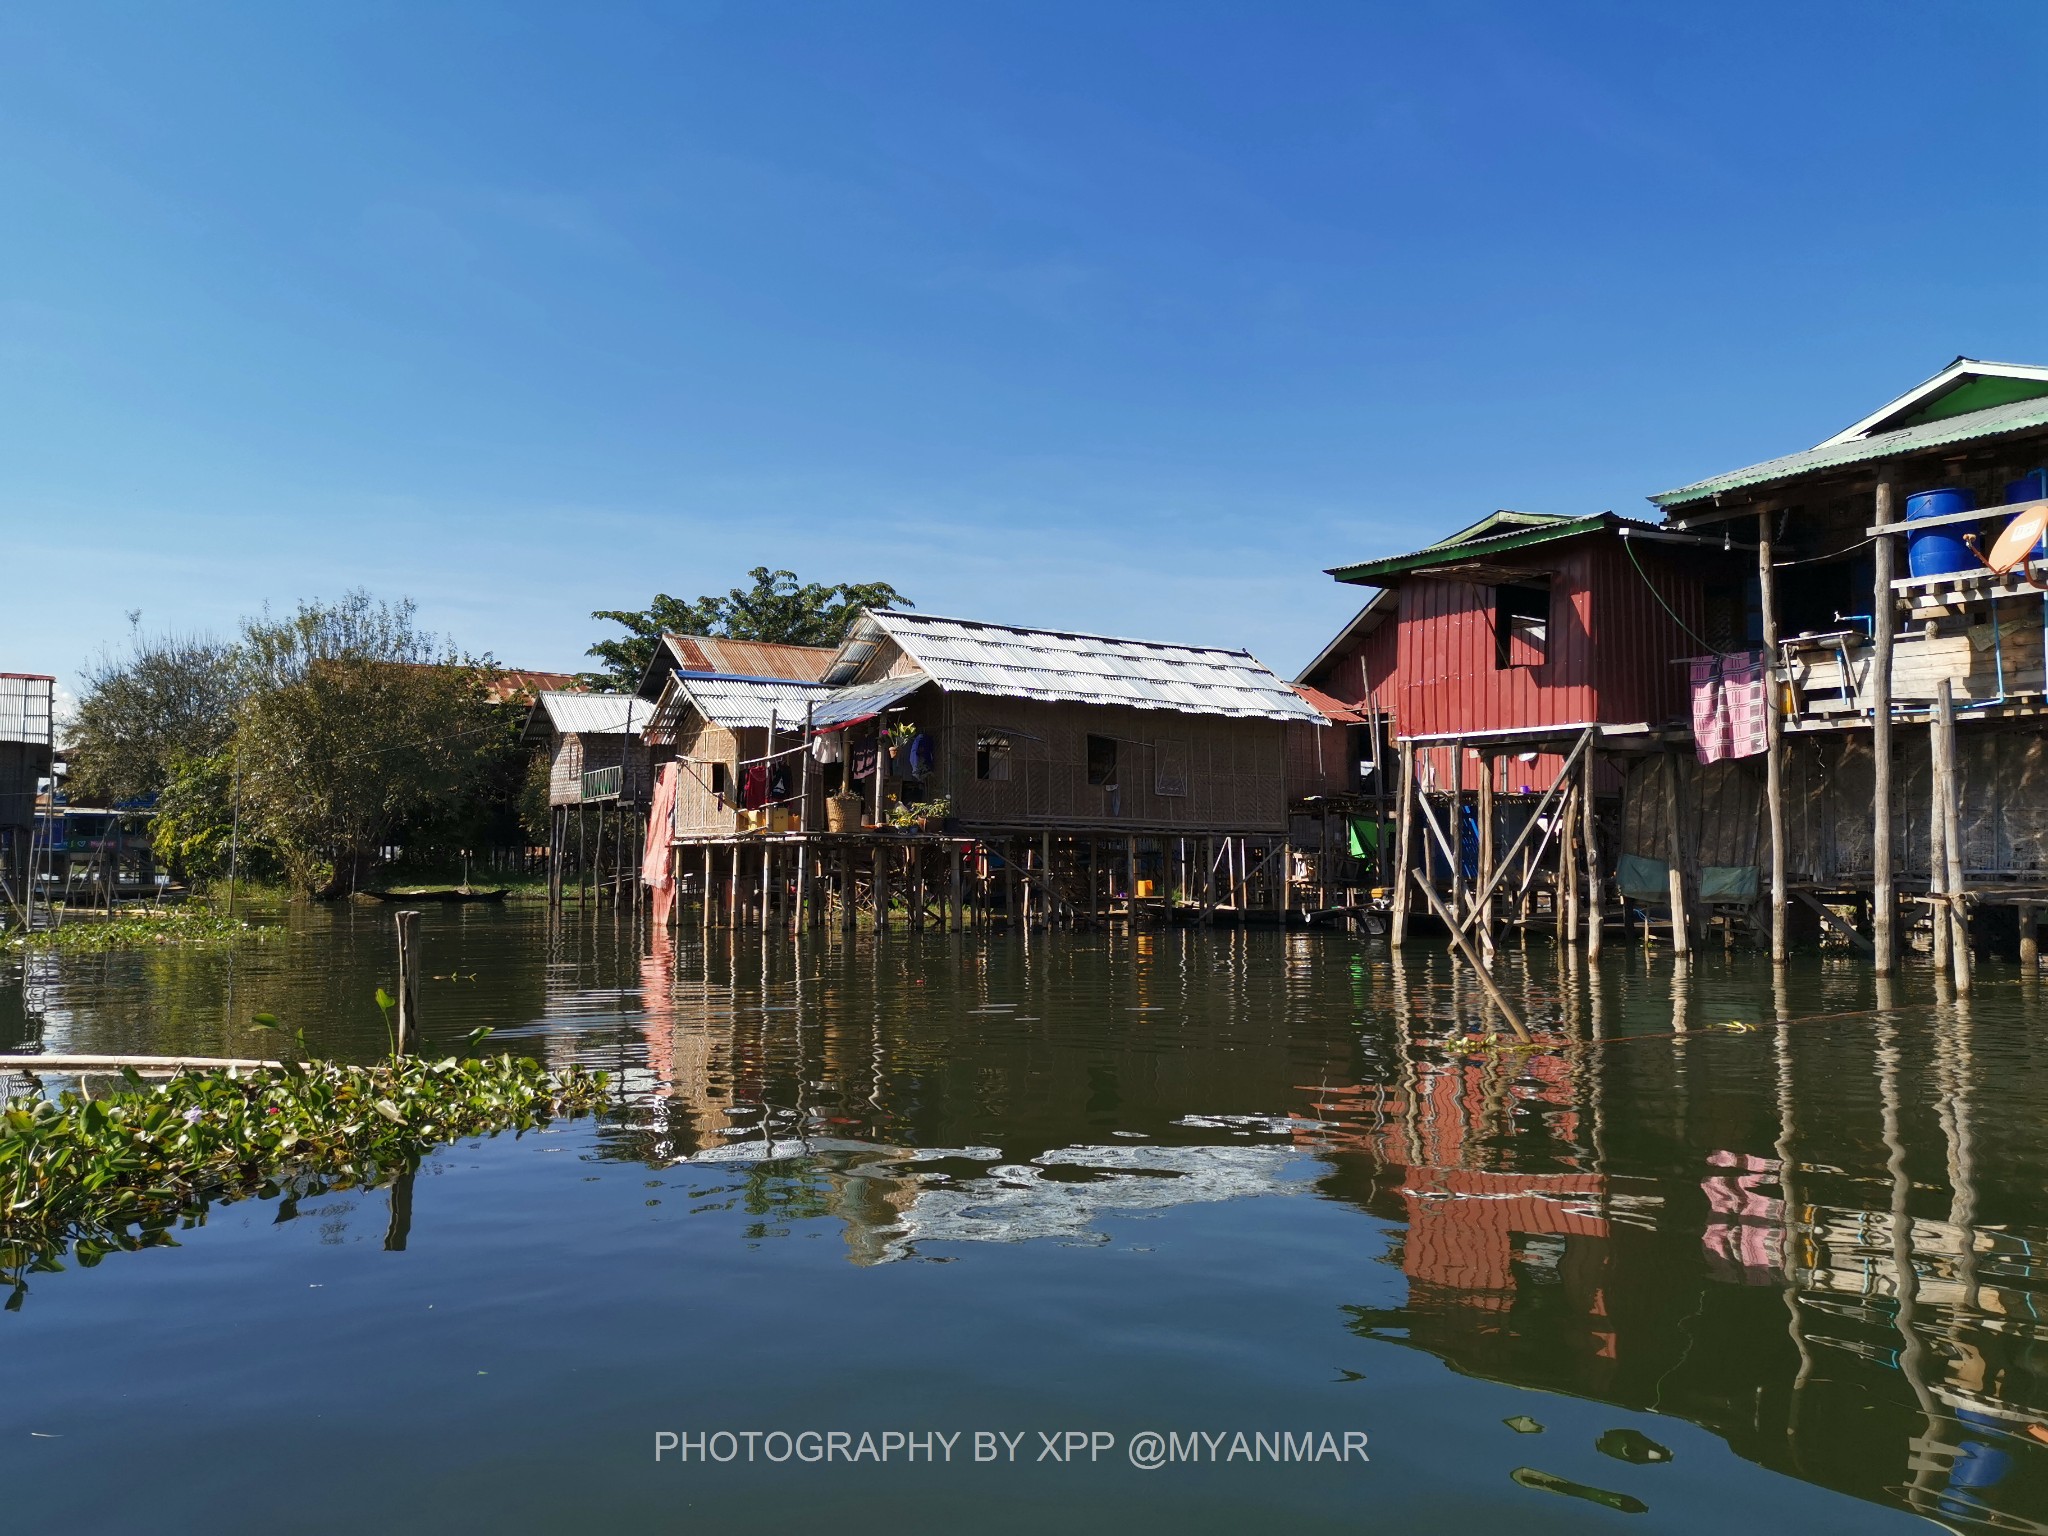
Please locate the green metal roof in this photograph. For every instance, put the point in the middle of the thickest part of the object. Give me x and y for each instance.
(2018, 416)
(1493, 535)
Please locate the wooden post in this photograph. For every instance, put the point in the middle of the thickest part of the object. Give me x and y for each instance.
(1471, 955)
(849, 883)
(953, 915)
(1208, 881)
(1567, 867)
(1457, 828)
(881, 878)
(1595, 907)
(1488, 764)
(1681, 930)
(1952, 822)
(2030, 936)
(709, 895)
(1774, 726)
(1938, 924)
(408, 924)
(732, 888)
(1051, 908)
(1883, 896)
(917, 891)
(767, 883)
(1404, 834)
(1131, 879)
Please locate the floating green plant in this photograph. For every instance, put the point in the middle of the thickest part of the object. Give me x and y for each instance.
(1550, 1482)
(1522, 1424)
(95, 1175)
(1631, 1445)
(148, 928)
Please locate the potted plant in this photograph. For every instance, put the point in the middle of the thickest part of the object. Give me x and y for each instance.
(898, 738)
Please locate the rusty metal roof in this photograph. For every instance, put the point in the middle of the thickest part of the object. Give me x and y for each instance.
(1061, 666)
(749, 658)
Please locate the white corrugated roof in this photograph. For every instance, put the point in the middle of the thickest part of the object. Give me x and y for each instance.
(596, 714)
(25, 708)
(748, 701)
(1057, 666)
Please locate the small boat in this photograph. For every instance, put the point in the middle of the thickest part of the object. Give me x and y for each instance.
(443, 893)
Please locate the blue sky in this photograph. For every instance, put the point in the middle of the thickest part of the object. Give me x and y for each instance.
(1125, 317)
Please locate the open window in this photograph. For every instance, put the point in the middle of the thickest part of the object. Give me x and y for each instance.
(1102, 761)
(992, 756)
(1521, 625)
(719, 780)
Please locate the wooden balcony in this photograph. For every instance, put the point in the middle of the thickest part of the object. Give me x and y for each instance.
(1983, 633)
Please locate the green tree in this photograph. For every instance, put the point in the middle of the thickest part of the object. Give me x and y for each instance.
(361, 723)
(194, 833)
(776, 608)
(170, 696)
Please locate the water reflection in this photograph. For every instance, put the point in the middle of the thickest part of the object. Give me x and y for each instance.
(1802, 1210)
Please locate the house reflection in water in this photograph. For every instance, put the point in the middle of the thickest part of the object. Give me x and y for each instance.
(1825, 1324)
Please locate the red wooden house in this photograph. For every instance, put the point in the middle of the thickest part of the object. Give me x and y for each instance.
(1526, 628)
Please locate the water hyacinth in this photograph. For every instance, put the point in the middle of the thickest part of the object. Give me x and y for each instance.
(146, 928)
(100, 1174)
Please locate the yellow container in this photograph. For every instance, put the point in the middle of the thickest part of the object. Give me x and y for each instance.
(1146, 888)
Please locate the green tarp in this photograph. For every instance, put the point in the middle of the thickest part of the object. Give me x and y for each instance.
(1650, 880)
(1365, 839)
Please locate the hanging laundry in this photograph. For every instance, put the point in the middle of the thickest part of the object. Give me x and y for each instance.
(1730, 701)
(754, 786)
(830, 747)
(863, 763)
(924, 755)
(779, 787)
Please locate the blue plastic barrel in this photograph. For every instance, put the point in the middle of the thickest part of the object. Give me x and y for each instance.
(2032, 486)
(1940, 551)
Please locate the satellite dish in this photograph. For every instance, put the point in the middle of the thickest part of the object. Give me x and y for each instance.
(2018, 541)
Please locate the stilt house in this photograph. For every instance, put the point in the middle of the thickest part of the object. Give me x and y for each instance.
(1906, 761)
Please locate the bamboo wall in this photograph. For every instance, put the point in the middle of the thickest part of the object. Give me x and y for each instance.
(575, 754)
(1829, 792)
(1234, 771)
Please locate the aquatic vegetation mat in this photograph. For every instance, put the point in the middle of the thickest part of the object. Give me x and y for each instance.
(153, 928)
(94, 1175)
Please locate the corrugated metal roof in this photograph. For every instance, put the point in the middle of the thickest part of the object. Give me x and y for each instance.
(749, 658)
(2019, 416)
(857, 701)
(740, 702)
(1058, 666)
(1525, 529)
(25, 707)
(596, 714)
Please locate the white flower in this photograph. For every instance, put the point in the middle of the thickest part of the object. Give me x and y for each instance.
(192, 1115)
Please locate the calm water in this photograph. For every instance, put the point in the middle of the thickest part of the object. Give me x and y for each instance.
(1179, 1182)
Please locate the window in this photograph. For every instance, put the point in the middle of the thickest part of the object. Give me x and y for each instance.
(1102, 761)
(1170, 776)
(992, 756)
(718, 779)
(1521, 626)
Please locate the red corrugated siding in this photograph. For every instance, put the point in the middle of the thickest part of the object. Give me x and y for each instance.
(1608, 658)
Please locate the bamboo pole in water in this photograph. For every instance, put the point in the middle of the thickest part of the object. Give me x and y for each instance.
(1594, 907)
(1403, 835)
(408, 926)
(1774, 728)
(1471, 955)
(1952, 820)
(1883, 895)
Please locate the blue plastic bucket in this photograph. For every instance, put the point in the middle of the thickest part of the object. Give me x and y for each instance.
(1940, 551)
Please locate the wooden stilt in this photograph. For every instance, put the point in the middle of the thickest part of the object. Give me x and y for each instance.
(408, 1036)
(1567, 867)
(1131, 879)
(1404, 838)
(1456, 852)
(1883, 895)
(849, 880)
(882, 852)
(1465, 948)
(1938, 924)
(1595, 906)
(1488, 764)
(2030, 936)
(1774, 725)
(917, 892)
(1208, 881)
(1952, 820)
(953, 910)
(1681, 922)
